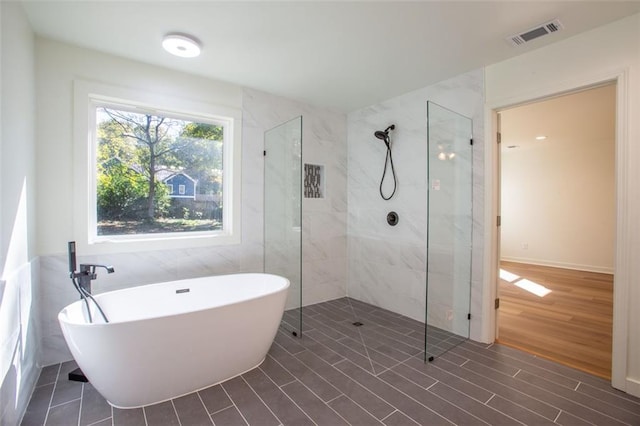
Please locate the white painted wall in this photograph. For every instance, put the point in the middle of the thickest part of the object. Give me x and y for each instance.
(608, 52)
(558, 195)
(18, 265)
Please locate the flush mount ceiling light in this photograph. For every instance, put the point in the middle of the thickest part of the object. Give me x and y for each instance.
(182, 45)
(540, 138)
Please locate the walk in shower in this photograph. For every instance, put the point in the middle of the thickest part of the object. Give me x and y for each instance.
(283, 214)
(449, 229)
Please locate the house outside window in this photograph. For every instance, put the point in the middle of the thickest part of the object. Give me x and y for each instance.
(139, 146)
(139, 150)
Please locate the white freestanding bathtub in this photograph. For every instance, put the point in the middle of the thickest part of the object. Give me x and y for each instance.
(169, 339)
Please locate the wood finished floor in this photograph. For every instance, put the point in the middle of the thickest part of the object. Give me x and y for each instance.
(571, 325)
(338, 374)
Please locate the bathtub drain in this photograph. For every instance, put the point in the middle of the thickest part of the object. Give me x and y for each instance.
(182, 290)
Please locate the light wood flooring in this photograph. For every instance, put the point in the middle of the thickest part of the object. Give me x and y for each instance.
(571, 325)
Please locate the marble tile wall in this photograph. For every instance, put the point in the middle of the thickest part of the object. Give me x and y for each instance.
(387, 265)
(324, 220)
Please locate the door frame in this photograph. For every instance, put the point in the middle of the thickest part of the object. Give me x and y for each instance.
(623, 248)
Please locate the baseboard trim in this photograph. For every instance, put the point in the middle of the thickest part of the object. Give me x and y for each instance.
(633, 387)
(573, 266)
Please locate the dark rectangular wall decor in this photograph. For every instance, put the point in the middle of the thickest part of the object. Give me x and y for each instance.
(313, 181)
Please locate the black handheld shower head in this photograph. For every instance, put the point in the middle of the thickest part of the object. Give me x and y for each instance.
(384, 134)
(381, 135)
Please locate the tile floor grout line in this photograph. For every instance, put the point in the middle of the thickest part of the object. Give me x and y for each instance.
(287, 395)
(467, 411)
(351, 399)
(80, 410)
(501, 385)
(206, 410)
(542, 367)
(362, 338)
(519, 370)
(144, 416)
(489, 400)
(579, 403)
(66, 402)
(99, 421)
(262, 400)
(405, 394)
(557, 417)
(234, 404)
(53, 391)
(222, 409)
(175, 410)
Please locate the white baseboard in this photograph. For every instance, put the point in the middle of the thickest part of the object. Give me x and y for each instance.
(633, 387)
(574, 266)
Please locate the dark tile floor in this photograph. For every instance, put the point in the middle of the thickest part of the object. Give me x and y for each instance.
(339, 374)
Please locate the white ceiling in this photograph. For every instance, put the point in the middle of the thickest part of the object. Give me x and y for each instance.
(342, 55)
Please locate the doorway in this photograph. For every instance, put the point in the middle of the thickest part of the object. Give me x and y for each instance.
(557, 167)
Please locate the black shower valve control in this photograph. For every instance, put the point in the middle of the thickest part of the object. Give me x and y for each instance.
(392, 218)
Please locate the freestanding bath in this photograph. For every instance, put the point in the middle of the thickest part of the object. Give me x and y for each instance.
(169, 339)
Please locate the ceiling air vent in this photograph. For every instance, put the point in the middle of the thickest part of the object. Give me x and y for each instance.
(533, 33)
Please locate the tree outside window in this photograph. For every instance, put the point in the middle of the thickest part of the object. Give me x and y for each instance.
(137, 153)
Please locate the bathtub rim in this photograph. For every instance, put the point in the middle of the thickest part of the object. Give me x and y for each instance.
(63, 315)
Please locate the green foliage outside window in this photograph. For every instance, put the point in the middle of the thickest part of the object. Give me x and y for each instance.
(135, 153)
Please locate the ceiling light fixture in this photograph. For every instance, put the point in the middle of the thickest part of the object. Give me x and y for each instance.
(182, 45)
(540, 138)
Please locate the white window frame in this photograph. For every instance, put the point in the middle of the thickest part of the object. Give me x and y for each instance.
(170, 188)
(182, 189)
(89, 95)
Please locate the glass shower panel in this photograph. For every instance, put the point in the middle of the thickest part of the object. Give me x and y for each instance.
(283, 214)
(449, 226)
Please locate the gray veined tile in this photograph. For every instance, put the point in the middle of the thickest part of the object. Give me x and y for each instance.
(427, 398)
(313, 406)
(215, 398)
(64, 415)
(499, 388)
(604, 408)
(346, 352)
(398, 419)
(518, 412)
(373, 404)
(275, 371)
(248, 403)
(278, 402)
(408, 406)
(162, 414)
(94, 406)
(352, 412)
(38, 406)
(611, 396)
(433, 370)
(131, 417)
(48, 375)
(470, 405)
(304, 374)
(66, 390)
(228, 417)
(191, 411)
(543, 395)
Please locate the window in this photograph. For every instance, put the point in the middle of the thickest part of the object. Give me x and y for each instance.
(139, 151)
